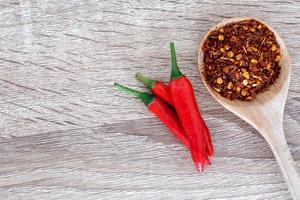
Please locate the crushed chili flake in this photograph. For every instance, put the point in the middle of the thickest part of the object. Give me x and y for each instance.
(241, 59)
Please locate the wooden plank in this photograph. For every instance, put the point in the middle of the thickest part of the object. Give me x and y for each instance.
(67, 134)
(130, 161)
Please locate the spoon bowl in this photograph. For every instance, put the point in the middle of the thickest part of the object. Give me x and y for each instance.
(265, 112)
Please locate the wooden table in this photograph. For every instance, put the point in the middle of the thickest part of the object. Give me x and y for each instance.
(66, 133)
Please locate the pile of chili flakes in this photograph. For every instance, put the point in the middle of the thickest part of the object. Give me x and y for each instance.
(241, 59)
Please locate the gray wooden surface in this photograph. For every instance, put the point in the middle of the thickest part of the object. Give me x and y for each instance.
(65, 133)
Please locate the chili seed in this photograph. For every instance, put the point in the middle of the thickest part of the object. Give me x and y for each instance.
(239, 57)
(244, 93)
(273, 48)
(229, 85)
(222, 49)
(252, 49)
(245, 82)
(221, 30)
(221, 37)
(246, 74)
(230, 54)
(253, 61)
(219, 80)
(241, 63)
(233, 39)
(277, 58)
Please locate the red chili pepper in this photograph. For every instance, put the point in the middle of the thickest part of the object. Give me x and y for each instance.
(209, 146)
(161, 90)
(185, 104)
(161, 110)
(157, 87)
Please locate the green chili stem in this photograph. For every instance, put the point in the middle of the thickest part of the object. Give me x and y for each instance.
(175, 72)
(147, 81)
(143, 96)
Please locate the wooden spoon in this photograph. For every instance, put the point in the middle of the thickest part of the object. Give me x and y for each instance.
(265, 112)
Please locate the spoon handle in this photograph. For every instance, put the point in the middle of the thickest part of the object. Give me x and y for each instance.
(278, 144)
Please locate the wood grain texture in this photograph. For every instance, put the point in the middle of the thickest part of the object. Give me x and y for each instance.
(67, 134)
